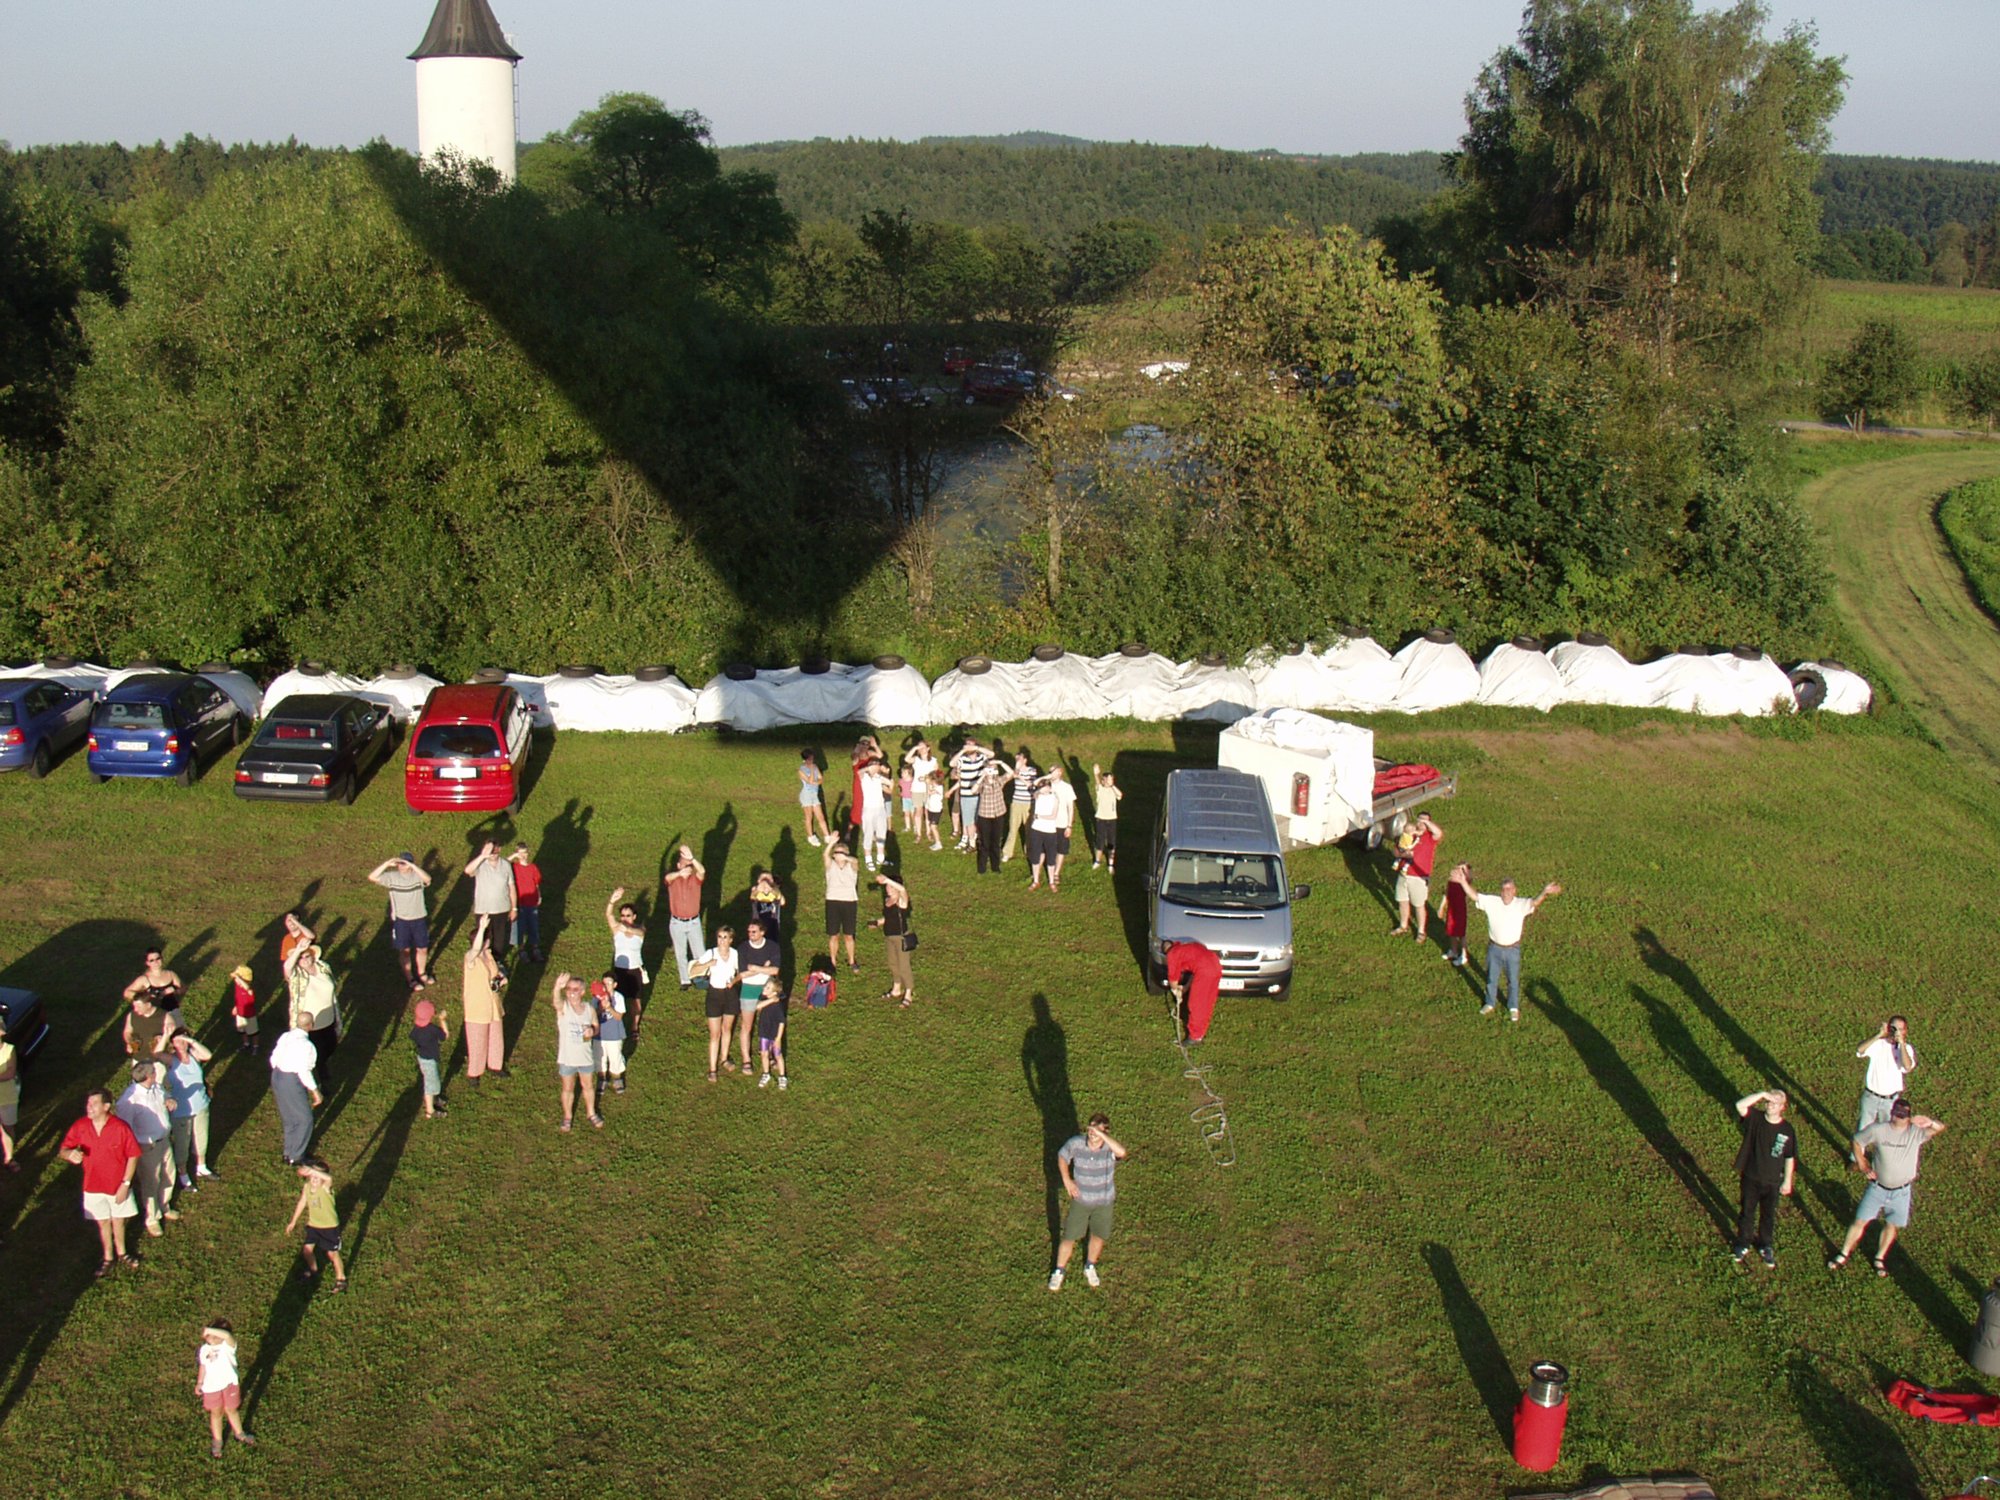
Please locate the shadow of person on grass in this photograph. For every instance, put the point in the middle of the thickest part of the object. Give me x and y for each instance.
(384, 1150)
(564, 845)
(1485, 1361)
(1862, 1450)
(1622, 1085)
(785, 871)
(1679, 1044)
(1045, 1066)
(715, 860)
(1807, 1107)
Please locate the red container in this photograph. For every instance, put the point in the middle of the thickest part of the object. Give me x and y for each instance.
(1540, 1418)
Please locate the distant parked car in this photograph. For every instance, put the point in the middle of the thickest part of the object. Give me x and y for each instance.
(958, 361)
(897, 390)
(857, 395)
(315, 747)
(468, 750)
(27, 1026)
(161, 724)
(894, 359)
(996, 385)
(40, 721)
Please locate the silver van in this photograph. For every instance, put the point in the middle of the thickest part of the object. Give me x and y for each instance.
(1217, 878)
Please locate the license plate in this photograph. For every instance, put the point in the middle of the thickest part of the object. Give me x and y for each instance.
(280, 778)
(1232, 984)
(458, 773)
(139, 745)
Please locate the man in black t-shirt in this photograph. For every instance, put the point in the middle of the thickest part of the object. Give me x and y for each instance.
(1764, 1163)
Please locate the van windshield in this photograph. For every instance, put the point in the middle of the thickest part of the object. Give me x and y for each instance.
(456, 741)
(1252, 882)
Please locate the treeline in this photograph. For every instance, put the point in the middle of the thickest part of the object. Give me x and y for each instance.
(1187, 192)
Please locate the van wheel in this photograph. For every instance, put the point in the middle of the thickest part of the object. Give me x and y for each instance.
(185, 775)
(1156, 979)
(39, 766)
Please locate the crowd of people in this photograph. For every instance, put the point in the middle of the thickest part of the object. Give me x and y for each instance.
(150, 1144)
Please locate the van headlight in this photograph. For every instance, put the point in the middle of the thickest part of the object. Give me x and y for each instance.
(1270, 955)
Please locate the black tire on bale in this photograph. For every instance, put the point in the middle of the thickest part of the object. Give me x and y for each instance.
(740, 671)
(581, 669)
(400, 671)
(490, 675)
(975, 666)
(1441, 637)
(1808, 689)
(1297, 648)
(1592, 638)
(1212, 659)
(1527, 643)
(653, 673)
(1693, 648)
(1047, 651)
(310, 668)
(815, 666)
(216, 666)
(144, 664)
(888, 661)
(1135, 649)
(59, 663)
(1747, 653)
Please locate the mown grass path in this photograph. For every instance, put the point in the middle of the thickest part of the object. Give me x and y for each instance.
(1905, 597)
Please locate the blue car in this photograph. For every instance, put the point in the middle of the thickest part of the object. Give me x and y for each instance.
(40, 721)
(161, 724)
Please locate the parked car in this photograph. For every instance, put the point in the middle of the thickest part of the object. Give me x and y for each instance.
(468, 750)
(958, 361)
(857, 395)
(161, 724)
(996, 385)
(40, 721)
(27, 1026)
(315, 747)
(897, 390)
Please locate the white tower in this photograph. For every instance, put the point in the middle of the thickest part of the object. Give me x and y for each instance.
(465, 86)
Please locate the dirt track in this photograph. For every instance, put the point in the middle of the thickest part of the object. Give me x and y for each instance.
(1904, 595)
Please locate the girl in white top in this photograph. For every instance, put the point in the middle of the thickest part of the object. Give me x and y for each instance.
(628, 954)
(217, 1384)
(922, 766)
(723, 965)
(876, 785)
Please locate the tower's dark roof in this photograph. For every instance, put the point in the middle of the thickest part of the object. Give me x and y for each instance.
(464, 28)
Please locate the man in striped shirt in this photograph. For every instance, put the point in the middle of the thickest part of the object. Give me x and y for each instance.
(969, 765)
(1088, 1163)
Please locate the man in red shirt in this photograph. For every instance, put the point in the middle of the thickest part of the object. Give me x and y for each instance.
(527, 903)
(1194, 974)
(104, 1146)
(1413, 876)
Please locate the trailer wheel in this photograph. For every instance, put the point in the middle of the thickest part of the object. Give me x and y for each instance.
(1376, 833)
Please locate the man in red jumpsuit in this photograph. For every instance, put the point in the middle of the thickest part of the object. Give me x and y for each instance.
(1194, 973)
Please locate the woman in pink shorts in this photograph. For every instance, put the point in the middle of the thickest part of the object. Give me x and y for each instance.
(216, 1383)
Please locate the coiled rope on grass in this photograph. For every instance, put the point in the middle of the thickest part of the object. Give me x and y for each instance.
(1211, 1116)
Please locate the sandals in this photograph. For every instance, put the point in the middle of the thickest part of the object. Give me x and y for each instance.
(1835, 1262)
(340, 1284)
(711, 1075)
(1881, 1265)
(565, 1127)
(215, 1448)
(103, 1269)
(597, 1121)
(906, 1002)
(129, 1261)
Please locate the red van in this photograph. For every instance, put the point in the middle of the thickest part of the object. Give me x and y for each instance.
(468, 750)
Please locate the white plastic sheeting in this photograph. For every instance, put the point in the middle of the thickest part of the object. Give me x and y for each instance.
(294, 683)
(1718, 685)
(1359, 676)
(1514, 677)
(241, 690)
(1338, 761)
(602, 704)
(1600, 674)
(840, 695)
(405, 695)
(1065, 688)
(1137, 687)
(1435, 674)
(1213, 694)
(1847, 692)
(1293, 679)
(1759, 686)
(85, 677)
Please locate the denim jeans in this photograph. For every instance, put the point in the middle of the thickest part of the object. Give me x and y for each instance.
(688, 946)
(1503, 961)
(528, 928)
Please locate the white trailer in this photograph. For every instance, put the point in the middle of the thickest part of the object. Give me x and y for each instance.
(1320, 776)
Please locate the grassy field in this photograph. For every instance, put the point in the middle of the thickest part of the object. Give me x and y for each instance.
(838, 1291)
(1948, 323)
(1969, 517)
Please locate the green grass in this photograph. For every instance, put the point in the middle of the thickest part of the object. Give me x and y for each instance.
(838, 1291)
(1948, 323)
(1969, 517)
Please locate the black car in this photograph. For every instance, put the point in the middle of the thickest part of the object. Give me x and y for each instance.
(27, 1027)
(315, 747)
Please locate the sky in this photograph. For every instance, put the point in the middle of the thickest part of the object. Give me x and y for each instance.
(1319, 76)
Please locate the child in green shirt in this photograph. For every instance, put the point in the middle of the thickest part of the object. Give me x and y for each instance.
(322, 1221)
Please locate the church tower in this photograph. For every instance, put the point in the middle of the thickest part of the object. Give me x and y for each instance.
(465, 86)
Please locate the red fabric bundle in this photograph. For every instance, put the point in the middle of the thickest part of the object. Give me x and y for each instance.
(1401, 778)
(1945, 1406)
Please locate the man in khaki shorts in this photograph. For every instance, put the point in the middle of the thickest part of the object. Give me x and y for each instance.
(104, 1146)
(1088, 1162)
(1413, 875)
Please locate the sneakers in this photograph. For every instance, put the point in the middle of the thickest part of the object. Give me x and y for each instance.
(1739, 1253)
(1056, 1279)
(1486, 1010)
(1769, 1257)
(764, 1082)
(1513, 1015)
(1090, 1274)
(813, 839)
(202, 1171)
(784, 1082)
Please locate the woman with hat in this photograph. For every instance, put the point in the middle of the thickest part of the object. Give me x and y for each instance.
(430, 1035)
(313, 995)
(243, 1003)
(187, 1108)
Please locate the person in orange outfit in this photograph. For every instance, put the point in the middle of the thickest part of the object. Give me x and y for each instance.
(1194, 974)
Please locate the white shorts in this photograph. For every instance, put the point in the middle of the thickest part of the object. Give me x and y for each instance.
(106, 1206)
(875, 825)
(1415, 889)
